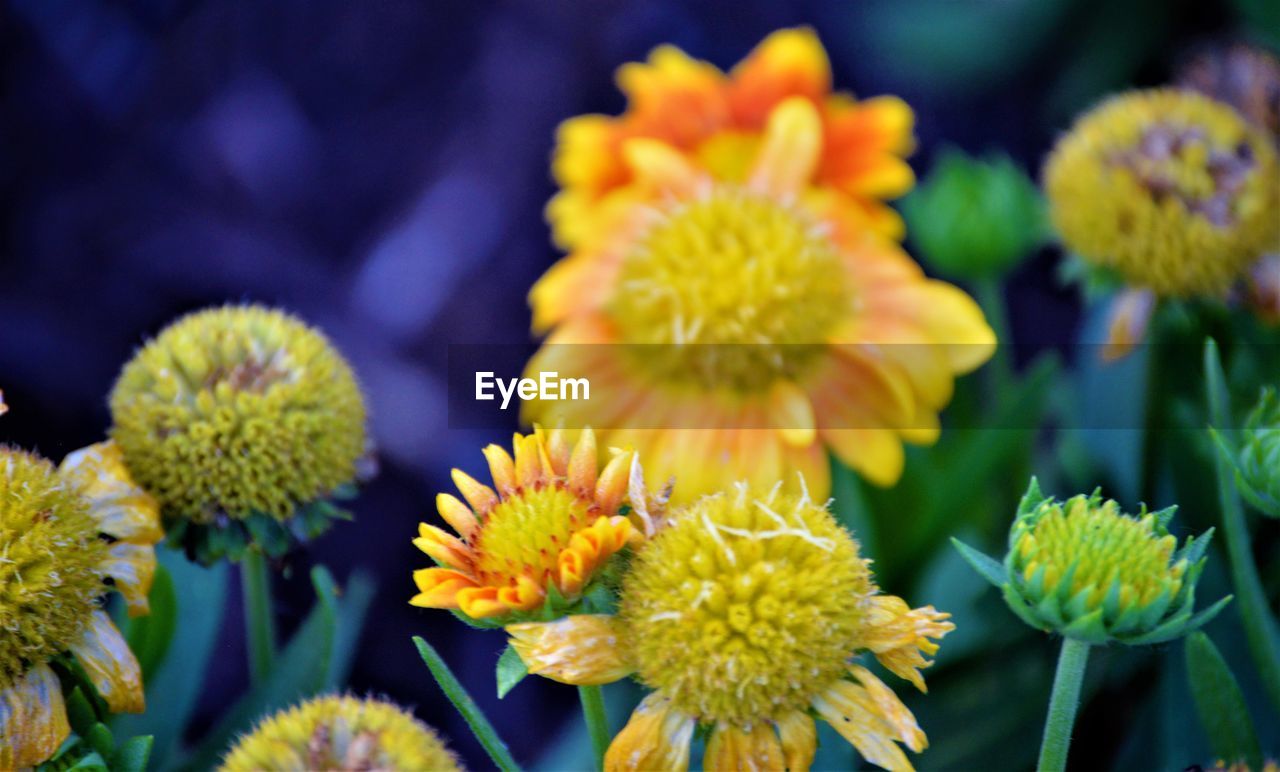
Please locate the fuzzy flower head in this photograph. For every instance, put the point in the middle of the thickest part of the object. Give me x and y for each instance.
(739, 312)
(1086, 570)
(341, 733)
(745, 615)
(1171, 190)
(242, 421)
(67, 537)
(535, 540)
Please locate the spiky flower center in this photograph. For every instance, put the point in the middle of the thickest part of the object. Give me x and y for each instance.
(50, 563)
(753, 285)
(238, 410)
(745, 607)
(1094, 547)
(341, 733)
(524, 534)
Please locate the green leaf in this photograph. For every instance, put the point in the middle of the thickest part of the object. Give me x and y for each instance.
(511, 671)
(132, 755)
(986, 566)
(300, 671)
(149, 636)
(100, 740)
(80, 712)
(1220, 703)
(352, 608)
(467, 707)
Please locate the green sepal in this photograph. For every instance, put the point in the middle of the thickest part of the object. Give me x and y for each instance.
(510, 671)
(1089, 628)
(1178, 626)
(1018, 605)
(987, 567)
(133, 754)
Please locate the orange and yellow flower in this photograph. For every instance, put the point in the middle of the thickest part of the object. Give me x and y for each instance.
(718, 122)
(738, 322)
(746, 614)
(551, 521)
(63, 534)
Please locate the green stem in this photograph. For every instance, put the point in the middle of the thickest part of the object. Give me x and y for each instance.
(1062, 705)
(1259, 628)
(259, 624)
(466, 706)
(597, 721)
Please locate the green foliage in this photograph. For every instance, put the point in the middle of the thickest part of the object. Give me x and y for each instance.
(1220, 703)
(511, 670)
(92, 747)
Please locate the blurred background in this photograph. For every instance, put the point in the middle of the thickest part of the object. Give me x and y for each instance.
(380, 169)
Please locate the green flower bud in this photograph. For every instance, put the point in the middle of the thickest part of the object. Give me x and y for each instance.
(974, 218)
(1258, 470)
(1084, 569)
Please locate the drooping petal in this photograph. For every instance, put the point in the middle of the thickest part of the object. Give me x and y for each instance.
(583, 650)
(110, 664)
(439, 587)
(132, 566)
(656, 738)
(123, 509)
(789, 154)
(788, 63)
(443, 547)
(799, 736)
(33, 719)
(756, 748)
(856, 715)
(891, 709)
(876, 454)
(899, 636)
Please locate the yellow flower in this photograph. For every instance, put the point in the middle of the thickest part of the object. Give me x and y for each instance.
(63, 534)
(341, 733)
(553, 522)
(719, 123)
(745, 614)
(1170, 189)
(737, 328)
(239, 412)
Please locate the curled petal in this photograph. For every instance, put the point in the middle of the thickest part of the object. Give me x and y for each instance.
(110, 664)
(123, 509)
(458, 515)
(589, 549)
(442, 547)
(792, 144)
(799, 737)
(481, 602)
(861, 719)
(897, 634)
(439, 587)
(656, 737)
(583, 650)
(33, 719)
(756, 748)
(132, 566)
(526, 595)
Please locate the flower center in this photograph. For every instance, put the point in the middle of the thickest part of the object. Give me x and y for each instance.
(754, 282)
(1099, 546)
(524, 534)
(744, 608)
(50, 556)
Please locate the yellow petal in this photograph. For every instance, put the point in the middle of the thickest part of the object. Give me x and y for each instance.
(756, 748)
(123, 509)
(876, 454)
(872, 718)
(583, 650)
(891, 709)
(481, 497)
(799, 737)
(439, 587)
(1127, 327)
(33, 719)
(897, 634)
(611, 488)
(792, 413)
(792, 144)
(656, 738)
(110, 664)
(481, 602)
(132, 566)
(660, 166)
(443, 547)
(584, 463)
(458, 515)
(588, 550)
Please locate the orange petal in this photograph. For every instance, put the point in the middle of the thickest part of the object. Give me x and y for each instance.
(584, 464)
(789, 154)
(656, 737)
(132, 567)
(611, 489)
(673, 96)
(1127, 327)
(792, 413)
(439, 587)
(732, 748)
(481, 497)
(33, 719)
(532, 464)
(458, 515)
(558, 451)
(790, 62)
(122, 508)
(501, 468)
(583, 650)
(481, 602)
(799, 736)
(443, 547)
(110, 664)
(876, 454)
(588, 550)
(525, 596)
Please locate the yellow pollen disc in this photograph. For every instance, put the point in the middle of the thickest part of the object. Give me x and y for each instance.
(524, 534)
(1105, 546)
(754, 282)
(745, 607)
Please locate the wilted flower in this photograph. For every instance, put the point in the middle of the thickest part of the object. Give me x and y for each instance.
(67, 537)
(243, 422)
(552, 524)
(745, 615)
(1173, 191)
(341, 733)
(1086, 570)
(974, 218)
